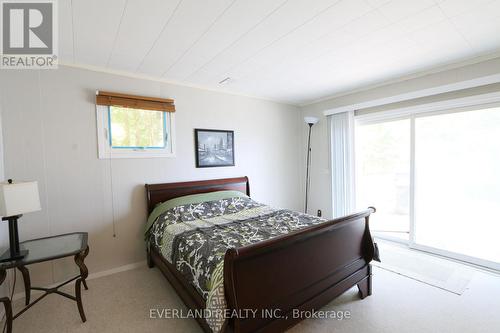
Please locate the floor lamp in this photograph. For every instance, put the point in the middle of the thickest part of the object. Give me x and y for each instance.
(309, 121)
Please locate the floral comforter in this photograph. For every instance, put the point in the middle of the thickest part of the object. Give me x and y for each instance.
(195, 237)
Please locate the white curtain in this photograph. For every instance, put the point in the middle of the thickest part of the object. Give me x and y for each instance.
(342, 154)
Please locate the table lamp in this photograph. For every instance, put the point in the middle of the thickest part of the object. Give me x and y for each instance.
(17, 198)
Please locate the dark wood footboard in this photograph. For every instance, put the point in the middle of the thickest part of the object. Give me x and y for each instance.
(278, 278)
(301, 271)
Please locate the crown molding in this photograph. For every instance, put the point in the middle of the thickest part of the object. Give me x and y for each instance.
(167, 81)
(414, 75)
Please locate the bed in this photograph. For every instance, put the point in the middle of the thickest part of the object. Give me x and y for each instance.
(279, 278)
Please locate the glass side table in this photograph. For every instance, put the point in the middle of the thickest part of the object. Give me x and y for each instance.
(47, 249)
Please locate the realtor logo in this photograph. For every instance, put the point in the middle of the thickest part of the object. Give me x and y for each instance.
(29, 34)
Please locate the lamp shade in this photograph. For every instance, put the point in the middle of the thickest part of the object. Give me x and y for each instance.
(19, 198)
(311, 120)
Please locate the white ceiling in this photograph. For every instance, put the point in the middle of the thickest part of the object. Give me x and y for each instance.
(295, 51)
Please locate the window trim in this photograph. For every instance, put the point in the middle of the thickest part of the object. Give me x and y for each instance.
(106, 151)
(447, 106)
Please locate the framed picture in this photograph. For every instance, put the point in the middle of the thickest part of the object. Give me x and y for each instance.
(214, 148)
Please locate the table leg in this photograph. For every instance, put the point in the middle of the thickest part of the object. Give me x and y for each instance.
(78, 293)
(27, 283)
(79, 260)
(6, 303)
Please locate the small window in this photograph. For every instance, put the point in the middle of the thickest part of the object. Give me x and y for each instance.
(137, 129)
(134, 133)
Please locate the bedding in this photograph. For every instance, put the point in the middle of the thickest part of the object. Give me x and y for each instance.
(189, 199)
(194, 233)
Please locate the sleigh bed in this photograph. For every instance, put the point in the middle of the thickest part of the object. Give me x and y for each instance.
(302, 270)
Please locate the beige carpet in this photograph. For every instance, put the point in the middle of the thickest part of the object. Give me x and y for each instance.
(121, 303)
(435, 271)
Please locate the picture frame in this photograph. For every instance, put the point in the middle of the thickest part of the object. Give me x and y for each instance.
(214, 148)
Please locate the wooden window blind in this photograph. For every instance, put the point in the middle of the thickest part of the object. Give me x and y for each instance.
(135, 102)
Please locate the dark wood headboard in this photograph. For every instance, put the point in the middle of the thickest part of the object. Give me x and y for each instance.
(157, 193)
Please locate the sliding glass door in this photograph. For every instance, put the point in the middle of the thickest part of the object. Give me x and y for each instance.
(457, 183)
(383, 175)
(435, 180)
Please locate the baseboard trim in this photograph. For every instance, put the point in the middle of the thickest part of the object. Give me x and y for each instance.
(91, 276)
(115, 270)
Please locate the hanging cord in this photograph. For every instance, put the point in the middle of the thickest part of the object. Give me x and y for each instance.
(108, 137)
(112, 191)
(101, 113)
(11, 297)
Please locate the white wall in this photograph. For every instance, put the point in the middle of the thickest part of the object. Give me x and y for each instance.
(486, 72)
(49, 130)
(4, 230)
